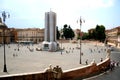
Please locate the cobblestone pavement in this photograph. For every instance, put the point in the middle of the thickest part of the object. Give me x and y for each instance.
(24, 60)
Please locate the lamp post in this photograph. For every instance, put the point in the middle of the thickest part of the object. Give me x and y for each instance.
(4, 15)
(80, 21)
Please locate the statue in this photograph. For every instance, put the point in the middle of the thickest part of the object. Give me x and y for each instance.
(49, 69)
(57, 72)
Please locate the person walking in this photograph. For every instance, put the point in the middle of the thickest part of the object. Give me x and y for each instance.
(86, 62)
(101, 59)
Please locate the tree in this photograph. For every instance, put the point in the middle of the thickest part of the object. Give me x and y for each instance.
(85, 36)
(65, 31)
(94, 34)
(91, 34)
(71, 33)
(100, 33)
(68, 33)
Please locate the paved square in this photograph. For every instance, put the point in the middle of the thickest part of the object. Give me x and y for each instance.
(24, 60)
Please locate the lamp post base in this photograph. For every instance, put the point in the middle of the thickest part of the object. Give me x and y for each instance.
(80, 62)
(5, 68)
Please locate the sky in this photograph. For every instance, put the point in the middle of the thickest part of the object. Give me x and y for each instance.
(31, 13)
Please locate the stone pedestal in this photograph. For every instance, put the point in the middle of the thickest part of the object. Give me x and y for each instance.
(50, 46)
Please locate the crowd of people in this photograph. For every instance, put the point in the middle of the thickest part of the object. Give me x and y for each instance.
(113, 64)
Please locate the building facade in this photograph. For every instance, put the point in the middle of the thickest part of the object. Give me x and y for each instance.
(13, 35)
(77, 34)
(4, 33)
(34, 35)
(113, 36)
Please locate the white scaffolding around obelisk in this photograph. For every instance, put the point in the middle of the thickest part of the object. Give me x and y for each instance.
(50, 42)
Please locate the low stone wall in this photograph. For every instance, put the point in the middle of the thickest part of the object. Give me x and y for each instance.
(29, 76)
(86, 71)
(80, 72)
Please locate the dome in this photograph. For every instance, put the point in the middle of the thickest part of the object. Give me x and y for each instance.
(3, 26)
